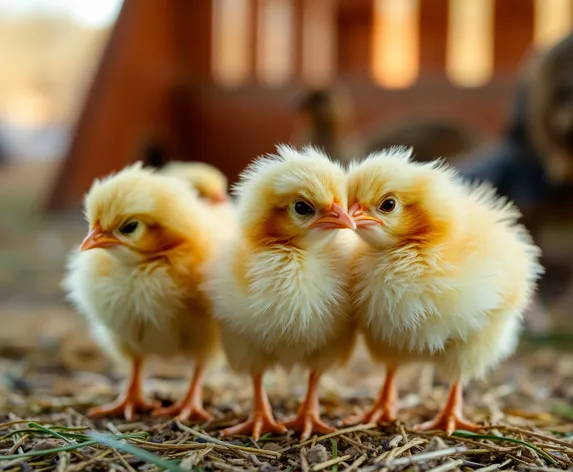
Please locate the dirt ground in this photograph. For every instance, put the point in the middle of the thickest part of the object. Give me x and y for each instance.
(52, 373)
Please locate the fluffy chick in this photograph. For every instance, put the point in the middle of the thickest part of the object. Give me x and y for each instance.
(136, 278)
(444, 274)
(280, 287)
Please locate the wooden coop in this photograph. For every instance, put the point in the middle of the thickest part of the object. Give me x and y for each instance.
(214, 80)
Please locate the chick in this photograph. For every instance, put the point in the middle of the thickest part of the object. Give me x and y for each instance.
(443, 274)
(280, 287)
(210, 183)
(136, 279)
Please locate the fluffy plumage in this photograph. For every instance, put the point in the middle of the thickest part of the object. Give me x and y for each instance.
(137, 274)
(444, 272)
(279, 289)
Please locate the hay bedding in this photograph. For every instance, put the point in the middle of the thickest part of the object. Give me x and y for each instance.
(53, 374)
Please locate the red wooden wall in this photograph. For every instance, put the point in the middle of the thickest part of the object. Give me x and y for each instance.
(154, 85)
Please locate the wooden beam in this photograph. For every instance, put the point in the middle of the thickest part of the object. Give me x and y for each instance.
(433, 37)
(513, 34)
(355, 23)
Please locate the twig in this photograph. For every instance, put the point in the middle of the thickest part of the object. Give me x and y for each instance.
(447, 466)
(493, 467)
(358, 462)
(326, 464)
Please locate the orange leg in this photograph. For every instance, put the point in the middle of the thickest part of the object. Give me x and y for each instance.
(384, 409)
(451, 417)
(130, 401)
(191, 407)
(261, 419)
(308, 417)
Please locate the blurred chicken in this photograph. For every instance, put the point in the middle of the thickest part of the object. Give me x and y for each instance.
(326, 120)
(444, 274)
(136, 279)
(279, 288)
(210, 183)
(212, 187)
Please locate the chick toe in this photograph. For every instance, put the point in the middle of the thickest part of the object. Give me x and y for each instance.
(127, 404)
(451, 417)
(191, 407)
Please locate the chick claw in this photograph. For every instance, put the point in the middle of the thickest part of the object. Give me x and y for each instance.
(184, 412)
(258, 424)
(126, 405)
(309, 422)
(448, 423)
(379, 414)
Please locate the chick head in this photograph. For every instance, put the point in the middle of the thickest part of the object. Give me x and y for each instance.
(396, 201)
(294, 197)
(137, 212)
(209, 182)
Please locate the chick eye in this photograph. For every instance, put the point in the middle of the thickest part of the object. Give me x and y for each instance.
(128, 227)
(303, 208)
(388, 205)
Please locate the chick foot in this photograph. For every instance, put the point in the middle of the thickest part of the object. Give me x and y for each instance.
(130, 401)
(384, 410)
(261, 420)
(308, 421)
(451, 417)
(191, 407)
(126, 405)
(308, 417)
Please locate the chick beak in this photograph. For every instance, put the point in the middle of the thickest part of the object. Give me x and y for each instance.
(361, 219)
(99, 238)
(219, 198)
(336, 218)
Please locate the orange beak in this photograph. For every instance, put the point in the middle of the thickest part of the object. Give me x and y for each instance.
(336, 218)
(98, 238)
(219, 198)
(362, 220)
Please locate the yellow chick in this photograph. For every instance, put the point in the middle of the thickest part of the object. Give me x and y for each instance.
(136, 279)
(280, 287)
(210, 183)
(444, 274)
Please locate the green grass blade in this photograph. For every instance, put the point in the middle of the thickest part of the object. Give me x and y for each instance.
(334, 444)
(541, 452)
(48, 452)
(50, 432)
(137, 452)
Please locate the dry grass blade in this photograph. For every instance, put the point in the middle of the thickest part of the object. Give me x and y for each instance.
(206, 437)
(326, 464)
(352, 429)
(447, 466)
(137, 452)
(533, 447)
(491, 468)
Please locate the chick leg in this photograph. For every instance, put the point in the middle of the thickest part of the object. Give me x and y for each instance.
(384, 410)
(192, 405)
(308, 417)
(261, 419)
(130, 401)
(451, 417)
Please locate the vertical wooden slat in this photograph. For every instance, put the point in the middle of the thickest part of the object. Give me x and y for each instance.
(194, 37)
(254, 14)
(513, 33)
(297, 37)
(433, 37)
(355, 23)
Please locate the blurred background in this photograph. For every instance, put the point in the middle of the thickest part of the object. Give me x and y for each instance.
(87, 87)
